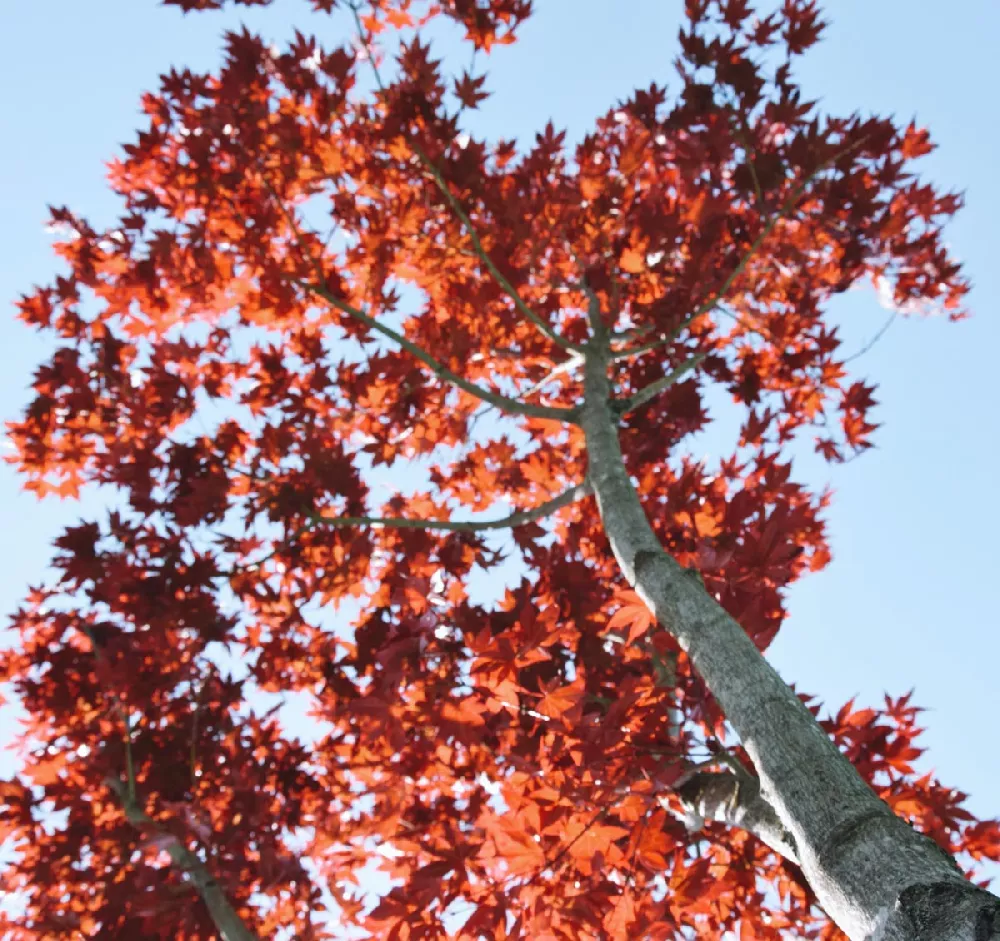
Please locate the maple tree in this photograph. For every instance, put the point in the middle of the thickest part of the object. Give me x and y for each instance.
(318, 275)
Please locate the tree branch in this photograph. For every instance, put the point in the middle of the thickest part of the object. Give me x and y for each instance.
(736, 801)
(714, 298)
(566, 366)
(227, 921)
(871, 343)
(435, 365)
(552, 413)
(519, 518)
(833, 814)
(657, 341)
(122, 712)
(641, 397)
(629, 334)
(456, 207)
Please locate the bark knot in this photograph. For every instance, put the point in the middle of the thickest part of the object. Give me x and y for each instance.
(644, 557)
(850, 830)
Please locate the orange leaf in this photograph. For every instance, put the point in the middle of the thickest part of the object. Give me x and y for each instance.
(706, 523)
(561, 700)
(591, 186)
(632, 261)
(399, 18)
(46, 772)
(916, 142)
(520, 851)
(586, 839)
(632, 157)
(503, 692)
(633, 613)
(618, 920)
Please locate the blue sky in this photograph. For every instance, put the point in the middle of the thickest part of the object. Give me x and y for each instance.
(909, 598)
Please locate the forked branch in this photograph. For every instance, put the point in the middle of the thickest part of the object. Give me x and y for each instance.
(717, 296)
(436, 366)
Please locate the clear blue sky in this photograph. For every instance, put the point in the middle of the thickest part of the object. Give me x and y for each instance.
(909, 599)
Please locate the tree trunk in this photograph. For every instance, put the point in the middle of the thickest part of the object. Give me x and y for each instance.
(874, 875)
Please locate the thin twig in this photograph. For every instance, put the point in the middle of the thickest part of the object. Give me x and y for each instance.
(630, 881)
(747, 146)
(632, 333)
(456, 207)
(561, 855)
(656, 341)
(878, 336)
(195, 723)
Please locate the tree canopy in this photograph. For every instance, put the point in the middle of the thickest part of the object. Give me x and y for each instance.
(320, 281)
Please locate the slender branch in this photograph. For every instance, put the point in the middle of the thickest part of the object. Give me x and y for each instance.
(436, 366)
(632, 333)
(655, 388)
(463, 526)
(713, 299)
(231, 927)
(129, 760)
(123, 715)
(195, 723)
(630, 881)
(520, 518)
(657, 341)
(646, 347)
(456, 207)
(552, 413)
(551, 865)
(748, 148)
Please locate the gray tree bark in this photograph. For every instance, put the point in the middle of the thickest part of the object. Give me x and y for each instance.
(873, 874)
